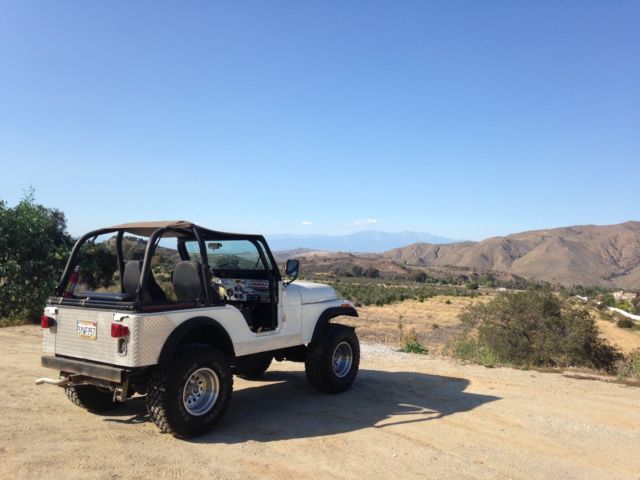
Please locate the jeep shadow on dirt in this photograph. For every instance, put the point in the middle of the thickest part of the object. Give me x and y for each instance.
(225, 310)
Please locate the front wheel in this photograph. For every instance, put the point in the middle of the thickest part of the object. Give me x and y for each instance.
(332, 364)
(190, 395)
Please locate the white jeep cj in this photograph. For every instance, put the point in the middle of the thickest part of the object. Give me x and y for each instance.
(226, 310)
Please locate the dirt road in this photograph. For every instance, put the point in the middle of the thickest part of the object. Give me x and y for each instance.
(407, 416)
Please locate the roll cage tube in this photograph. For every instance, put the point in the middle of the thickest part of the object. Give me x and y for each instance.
(74, 252)
(272, 260)
(150, 250)
(257, 240)
(204, 266)
(120, 258)
(146, 262)
(272, 282)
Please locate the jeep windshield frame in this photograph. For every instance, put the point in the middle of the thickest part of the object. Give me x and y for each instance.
(155, 231)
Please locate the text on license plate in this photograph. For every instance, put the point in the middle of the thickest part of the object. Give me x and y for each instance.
(87, 329)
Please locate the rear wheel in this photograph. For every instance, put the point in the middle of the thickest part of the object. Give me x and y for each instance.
(332, 364)
(92, 398)
(188, 396)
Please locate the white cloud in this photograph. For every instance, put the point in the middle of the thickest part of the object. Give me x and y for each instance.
(364, 221)
(307, 222)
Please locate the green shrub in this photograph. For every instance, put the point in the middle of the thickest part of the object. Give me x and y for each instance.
(533, 328)
(410, 343)
(468, 348)
(625, 323)
(629, 367)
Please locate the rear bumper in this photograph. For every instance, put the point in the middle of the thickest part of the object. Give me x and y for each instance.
(81, 367)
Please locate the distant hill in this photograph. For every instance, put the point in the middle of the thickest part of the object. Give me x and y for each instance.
(133, 249)
(589, 255)
(367, 241)
(607, 255)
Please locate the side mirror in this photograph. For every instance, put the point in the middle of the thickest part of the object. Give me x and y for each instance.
(292, 268)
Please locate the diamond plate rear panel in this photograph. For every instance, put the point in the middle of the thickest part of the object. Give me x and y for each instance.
(48, 340)
(102, 349)
(143, 345)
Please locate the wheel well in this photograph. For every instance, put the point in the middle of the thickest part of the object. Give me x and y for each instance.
(326, 316)
(211, 336)
(201, 330)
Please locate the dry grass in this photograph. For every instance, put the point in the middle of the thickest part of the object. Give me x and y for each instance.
(627, 339)
(381, 324)
(435, 320)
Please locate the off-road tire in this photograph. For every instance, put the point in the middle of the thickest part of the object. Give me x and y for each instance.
(91, 398)
(319, 362)
(256, 368)
(164, 400)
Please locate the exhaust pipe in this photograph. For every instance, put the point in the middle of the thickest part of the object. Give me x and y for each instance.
(61, 382)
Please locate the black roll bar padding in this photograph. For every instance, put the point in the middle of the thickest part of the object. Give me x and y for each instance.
(182, 250)
(120, 257)
(274, 265)
(273, 278)
(272, 282)
(204, 266)
(74, 252)
(146, 263)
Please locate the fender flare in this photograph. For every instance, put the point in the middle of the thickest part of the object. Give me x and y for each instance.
(328, 314)
(181, 331)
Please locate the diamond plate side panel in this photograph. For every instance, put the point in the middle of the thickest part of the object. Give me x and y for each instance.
(148, 334)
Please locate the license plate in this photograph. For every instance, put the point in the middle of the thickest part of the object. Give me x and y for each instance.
(87, 329)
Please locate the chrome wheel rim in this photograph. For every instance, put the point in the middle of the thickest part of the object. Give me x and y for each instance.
(201, 391)
(342, 359)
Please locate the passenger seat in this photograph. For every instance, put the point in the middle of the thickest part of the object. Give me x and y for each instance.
(188, 283)
(130, 279)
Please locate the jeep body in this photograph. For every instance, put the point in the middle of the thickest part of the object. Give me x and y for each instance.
(229, 299)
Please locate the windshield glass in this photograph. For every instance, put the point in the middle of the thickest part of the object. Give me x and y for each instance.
(228, 254)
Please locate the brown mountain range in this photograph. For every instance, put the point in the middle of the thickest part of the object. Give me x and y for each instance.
(607, 255)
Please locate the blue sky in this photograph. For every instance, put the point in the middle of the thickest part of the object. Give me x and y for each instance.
(464, 119)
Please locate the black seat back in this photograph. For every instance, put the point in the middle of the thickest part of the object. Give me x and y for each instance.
(131, 277)
(187, 282)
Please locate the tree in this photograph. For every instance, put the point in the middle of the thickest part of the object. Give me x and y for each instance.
(419, 277)
(609, 300)
(34, 245)
(372, 272)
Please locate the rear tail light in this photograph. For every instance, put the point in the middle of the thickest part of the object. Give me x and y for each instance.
(118, 330)
(47, 322)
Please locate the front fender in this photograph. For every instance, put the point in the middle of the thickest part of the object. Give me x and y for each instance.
(323, 321)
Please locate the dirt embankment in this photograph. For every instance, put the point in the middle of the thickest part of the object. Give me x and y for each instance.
(407, 416)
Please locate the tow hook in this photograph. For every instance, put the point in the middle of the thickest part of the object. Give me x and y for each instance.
(61, 382)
